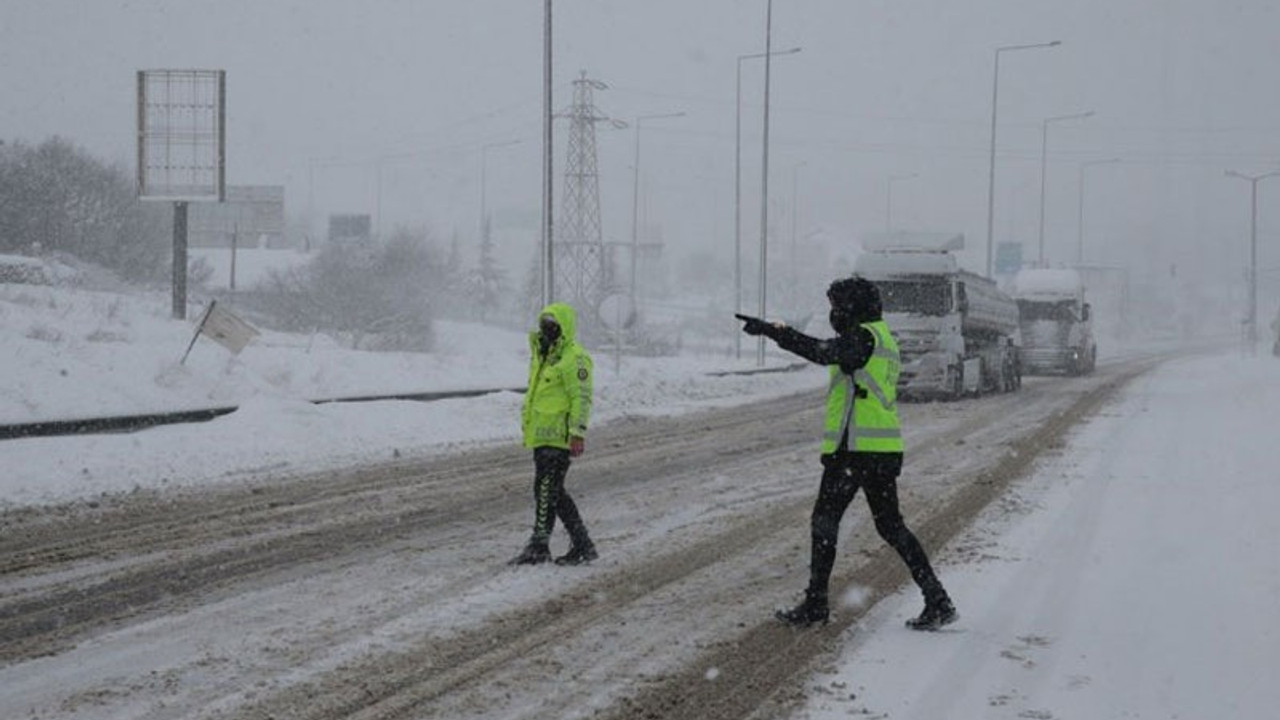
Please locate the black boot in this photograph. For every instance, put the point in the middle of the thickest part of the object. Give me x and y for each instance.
(813, 610)
(534, 553)
(579, 554)
(936, 614)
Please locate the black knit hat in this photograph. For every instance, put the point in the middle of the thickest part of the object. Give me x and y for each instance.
(857, 296)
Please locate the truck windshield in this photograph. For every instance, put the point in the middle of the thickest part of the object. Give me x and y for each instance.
(925, 298)
(1063, 310)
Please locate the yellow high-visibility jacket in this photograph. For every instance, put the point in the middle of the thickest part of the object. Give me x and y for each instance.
(865, 405)
(557, 404)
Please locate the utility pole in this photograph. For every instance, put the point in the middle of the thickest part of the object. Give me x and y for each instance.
(1080, 208)
(635, 202)
(1252, 319)
(547, 255)
(1044, 156)
(795, 219)
(764, 182)
(737, 196)
(991, 173)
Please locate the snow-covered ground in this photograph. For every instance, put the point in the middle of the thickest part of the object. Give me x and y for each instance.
(253, 265)
(1136, 577)
(1137, 581)
(68, 353)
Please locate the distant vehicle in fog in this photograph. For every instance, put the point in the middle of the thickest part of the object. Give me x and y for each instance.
(1057, 330)
(956, 330)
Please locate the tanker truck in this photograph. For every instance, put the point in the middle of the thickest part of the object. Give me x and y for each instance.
(1057, 330)
(957, 332)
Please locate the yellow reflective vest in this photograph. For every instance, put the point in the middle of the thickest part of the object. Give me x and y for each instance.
(865, 405)
(557, 403)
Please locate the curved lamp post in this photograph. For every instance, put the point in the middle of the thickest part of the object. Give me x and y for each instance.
(1252, 320)
(737, 194)
(1080, 208)
(635, 199)
(1044, 155)
(991, 172)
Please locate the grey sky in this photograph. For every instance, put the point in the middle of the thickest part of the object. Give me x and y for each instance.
(1182, 89)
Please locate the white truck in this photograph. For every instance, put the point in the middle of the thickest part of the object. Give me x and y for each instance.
(1057, 330)
(956, 331)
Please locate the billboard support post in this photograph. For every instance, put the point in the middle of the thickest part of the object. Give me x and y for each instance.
(235, 238)
(180, 260)
(181, 150)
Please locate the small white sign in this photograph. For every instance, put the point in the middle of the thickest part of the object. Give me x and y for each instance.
(223, 326)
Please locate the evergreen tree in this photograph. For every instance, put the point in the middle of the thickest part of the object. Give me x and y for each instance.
(59, 198)
(489, 281)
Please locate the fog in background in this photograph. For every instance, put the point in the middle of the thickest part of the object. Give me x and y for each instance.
(386, 107)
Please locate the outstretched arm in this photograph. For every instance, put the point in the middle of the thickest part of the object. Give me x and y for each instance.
(850, 352)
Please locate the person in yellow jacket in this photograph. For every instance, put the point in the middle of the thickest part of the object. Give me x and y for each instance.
(557, 409)
(861, 444)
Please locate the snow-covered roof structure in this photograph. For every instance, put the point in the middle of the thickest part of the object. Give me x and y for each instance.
(1047, 283)
(908, 241)
(884, 265)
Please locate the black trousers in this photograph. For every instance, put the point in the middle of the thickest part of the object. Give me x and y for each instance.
(877, 475)
(551, 500)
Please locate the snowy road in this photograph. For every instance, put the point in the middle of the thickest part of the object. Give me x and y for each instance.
(383, 593)
(1126, 578)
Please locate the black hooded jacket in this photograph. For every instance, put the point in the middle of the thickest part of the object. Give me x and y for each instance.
(849, 350)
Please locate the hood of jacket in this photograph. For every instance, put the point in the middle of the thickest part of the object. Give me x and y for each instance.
(567, 318)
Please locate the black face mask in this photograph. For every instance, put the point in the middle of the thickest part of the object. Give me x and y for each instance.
(842, 321)
(548, 333)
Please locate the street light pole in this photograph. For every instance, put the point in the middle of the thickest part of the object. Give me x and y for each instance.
(1080, 209)
(311, 196)
(888, 200)
(1044, 146)
(737, 195)
(795, 217)
(1252, 320)
(764, 182)
(635, 201)
(547, 255)
(377, 201)
(991, 171)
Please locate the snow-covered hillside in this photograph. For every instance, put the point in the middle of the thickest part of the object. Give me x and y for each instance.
(75, 353)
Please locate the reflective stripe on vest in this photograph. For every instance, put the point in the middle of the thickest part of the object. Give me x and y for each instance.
(870, 422)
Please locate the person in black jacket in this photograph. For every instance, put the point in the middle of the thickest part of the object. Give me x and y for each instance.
(862, 447)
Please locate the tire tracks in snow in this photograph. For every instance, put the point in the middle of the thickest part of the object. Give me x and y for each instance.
(420, 680)
(71, 570)
(82, 571)
(762, 662)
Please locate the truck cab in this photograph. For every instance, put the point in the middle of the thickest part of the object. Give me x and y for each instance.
(1056, 322)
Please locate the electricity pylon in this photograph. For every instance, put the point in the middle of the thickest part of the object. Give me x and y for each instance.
(585, 265)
